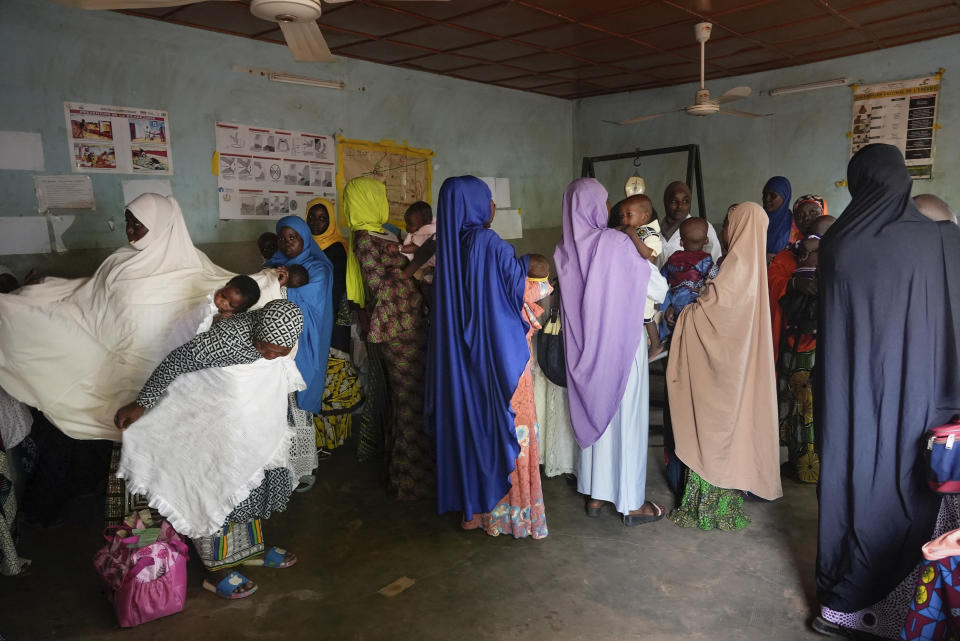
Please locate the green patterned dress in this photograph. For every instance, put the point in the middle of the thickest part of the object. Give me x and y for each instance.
(398, 328)
(709, 508)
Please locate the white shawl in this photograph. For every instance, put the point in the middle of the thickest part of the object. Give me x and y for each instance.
(78, 349)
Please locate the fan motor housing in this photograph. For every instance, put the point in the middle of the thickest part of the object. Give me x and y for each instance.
(703, 109)
(286, 10)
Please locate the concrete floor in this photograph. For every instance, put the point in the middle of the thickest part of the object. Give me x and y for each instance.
(590, 579)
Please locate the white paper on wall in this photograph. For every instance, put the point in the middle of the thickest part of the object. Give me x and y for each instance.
(59, 224)
(64, 192)
(507, 224)
(499, 191)
(134, 188)
(24, 235)
(21, 150)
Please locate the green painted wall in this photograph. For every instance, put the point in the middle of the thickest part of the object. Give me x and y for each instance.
(54, 54)
(805, 140)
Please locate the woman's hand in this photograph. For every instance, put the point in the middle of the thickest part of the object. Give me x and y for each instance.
(420, 257)
(32, 278)
(127, 416)
(670, 315)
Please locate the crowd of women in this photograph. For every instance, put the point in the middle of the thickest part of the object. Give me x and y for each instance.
(827, 344)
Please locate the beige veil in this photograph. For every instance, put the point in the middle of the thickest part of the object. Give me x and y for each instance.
(720, 377)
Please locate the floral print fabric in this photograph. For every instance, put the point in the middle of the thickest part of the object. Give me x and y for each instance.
(521, 512)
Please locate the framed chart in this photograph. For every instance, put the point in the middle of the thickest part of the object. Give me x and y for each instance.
(406, 171)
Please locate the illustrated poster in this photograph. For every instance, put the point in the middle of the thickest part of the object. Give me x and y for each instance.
(105, 139)
(903, 114)
(407, 172)
(272, 173)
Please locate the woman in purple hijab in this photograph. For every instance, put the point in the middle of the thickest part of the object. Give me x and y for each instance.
(605, 282)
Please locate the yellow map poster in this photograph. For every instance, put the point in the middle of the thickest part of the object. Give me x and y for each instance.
(406, 171)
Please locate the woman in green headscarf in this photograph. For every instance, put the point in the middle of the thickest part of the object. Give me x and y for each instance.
(380, 280)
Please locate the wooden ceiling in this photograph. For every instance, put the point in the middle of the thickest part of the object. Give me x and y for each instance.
(579, 48)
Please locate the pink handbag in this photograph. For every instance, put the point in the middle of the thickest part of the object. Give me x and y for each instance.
(145, 583)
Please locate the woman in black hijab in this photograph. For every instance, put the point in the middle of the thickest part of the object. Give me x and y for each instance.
(888, 369)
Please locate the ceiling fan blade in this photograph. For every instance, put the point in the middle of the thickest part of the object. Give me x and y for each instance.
(643, 118)
(306, 42)
(96, 5)
(742, 114)
(733, 94)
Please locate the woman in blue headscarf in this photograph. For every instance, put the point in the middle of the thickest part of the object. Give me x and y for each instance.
(296, 247)
(479, 389)
(776, 202)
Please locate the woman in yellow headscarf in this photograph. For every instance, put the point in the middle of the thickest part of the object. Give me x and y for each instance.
(380, 280)
(342, 393)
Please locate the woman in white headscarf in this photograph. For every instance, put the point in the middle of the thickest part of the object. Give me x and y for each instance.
(70, 347)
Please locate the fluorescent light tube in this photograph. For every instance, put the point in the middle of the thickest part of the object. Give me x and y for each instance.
(289, 78)
(302, 80)
(813, 86)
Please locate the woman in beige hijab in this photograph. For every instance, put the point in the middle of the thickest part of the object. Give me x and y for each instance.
(721, 383)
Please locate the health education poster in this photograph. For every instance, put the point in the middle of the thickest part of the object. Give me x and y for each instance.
(903, 114)
(265, 172)
(118, 140)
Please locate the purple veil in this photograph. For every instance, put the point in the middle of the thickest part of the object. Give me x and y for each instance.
(603, 280)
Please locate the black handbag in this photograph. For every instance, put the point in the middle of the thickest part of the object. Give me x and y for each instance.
(550, 353)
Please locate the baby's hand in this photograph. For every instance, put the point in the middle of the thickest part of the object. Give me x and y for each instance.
(393, 248)
(283, 275)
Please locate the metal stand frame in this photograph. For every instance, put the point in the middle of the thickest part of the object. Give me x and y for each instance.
(693, 167)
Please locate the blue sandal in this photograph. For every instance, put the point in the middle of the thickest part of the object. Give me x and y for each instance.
(274, 558)
(228, 585)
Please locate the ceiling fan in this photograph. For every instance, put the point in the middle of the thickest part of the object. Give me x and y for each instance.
(702, 104)
(297, 19)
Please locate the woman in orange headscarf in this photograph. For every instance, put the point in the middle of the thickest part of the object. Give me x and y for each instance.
(794, 345)
(342, 393)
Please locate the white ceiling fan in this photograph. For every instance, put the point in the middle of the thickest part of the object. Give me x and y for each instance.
(702, 104)
(297, 19)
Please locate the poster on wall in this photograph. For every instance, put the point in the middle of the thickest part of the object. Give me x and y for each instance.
(271, 173)
(903, 114)
(118, 140)
(406, 171)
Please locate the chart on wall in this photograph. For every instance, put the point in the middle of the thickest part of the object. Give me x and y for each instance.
(265, 172)
(406, 171)
(903, 114)
(118, 140)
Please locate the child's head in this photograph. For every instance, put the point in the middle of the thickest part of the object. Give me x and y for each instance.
(296, 276)
(539, 266)
(238, 295)
(934, 208)
(8, 282)
(821, 224)
(693, 234)
(267, 244)
(808, 251)
(636, 211)
(417, 215)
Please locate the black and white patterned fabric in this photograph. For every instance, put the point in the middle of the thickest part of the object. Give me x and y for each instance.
(279, 322)
(229, 342)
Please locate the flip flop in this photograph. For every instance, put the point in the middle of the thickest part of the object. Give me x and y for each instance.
(227, 586)
(274, 558)
(641, 519)
(594, 512)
